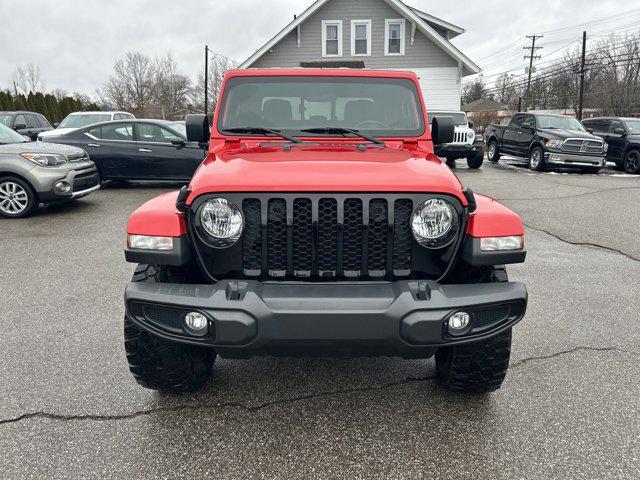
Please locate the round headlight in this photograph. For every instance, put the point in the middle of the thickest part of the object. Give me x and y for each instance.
(222, 221)
(435, 223)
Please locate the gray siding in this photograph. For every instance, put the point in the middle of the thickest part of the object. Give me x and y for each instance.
(422, 54)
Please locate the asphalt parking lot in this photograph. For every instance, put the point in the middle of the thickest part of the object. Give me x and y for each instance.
(569, 408)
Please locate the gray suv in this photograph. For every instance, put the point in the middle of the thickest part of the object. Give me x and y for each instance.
(32, 173)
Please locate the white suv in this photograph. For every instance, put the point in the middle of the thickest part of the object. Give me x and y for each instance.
(466, 144)
(76, 120)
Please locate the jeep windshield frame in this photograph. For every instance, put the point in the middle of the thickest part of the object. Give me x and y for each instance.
(379, 107)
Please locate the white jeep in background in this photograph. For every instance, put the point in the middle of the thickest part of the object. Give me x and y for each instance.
(466, 143)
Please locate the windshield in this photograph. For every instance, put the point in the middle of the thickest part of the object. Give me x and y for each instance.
(6, 120)
(178, 127)
(377, 106)
(458, 118)
(79, 120)
(9, 136)
(633, 126)
(559, 122)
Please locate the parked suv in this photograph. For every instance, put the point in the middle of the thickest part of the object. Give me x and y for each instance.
(547, 140)
(29, 124)
(340, 235)
(623, 138)
(466, 144)
(32, 173)
(76, 120)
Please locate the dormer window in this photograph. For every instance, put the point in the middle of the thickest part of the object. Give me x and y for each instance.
(360, 38)
(332, 38)
(394, 37)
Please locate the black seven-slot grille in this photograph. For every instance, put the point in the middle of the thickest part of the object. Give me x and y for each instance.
(325, 237)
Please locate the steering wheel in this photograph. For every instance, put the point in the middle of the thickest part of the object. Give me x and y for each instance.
(371, 123)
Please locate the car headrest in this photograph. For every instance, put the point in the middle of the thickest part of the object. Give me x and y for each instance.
(277, 111)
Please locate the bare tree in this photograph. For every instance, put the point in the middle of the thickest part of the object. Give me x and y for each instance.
(172, 89)
(131, 87)
(506, 91)
(218, 66)
(59, 93)
(27, 79)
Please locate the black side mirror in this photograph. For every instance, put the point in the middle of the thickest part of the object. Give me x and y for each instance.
(471, 125)
(442, 130)
(19, 126)
(197, 128)
(55, 125)
(178, 143)
(619, 131)
(590, 130)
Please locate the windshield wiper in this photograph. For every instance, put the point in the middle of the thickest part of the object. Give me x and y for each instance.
(342, 131)
(258, 130)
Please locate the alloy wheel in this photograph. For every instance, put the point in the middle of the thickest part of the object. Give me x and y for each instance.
(632, 162)
(13, 198)
(535, 158)
(492, 150)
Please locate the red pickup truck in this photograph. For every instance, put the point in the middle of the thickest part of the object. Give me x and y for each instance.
(322, 223)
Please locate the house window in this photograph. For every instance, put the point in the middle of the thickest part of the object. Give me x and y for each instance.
(332, 38)
(360, 38)
(394, 37)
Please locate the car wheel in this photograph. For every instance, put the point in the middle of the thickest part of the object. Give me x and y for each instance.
(475, 161)
(536, 160)
(159, 364)
(478, 367)
(493, 151)
(632, 162)
(17, 198)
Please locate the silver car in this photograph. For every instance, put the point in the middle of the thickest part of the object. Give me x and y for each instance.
(32, 173)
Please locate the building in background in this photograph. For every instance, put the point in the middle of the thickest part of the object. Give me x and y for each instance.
(376, 34)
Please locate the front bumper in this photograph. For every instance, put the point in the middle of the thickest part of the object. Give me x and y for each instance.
(572, 160)
(250, 318)
(459, 149)
(82, 177)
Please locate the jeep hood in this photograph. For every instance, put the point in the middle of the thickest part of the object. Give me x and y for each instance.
(322, 169)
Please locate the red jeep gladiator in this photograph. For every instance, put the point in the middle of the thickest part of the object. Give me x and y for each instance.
(322, 223)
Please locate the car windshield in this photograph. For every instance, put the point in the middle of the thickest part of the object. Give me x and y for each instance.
(387, 107)
(9, 136)
(458, 118)
(559, 122)
(633, 126)
(79, 120)
(178, 127)
(6, 120)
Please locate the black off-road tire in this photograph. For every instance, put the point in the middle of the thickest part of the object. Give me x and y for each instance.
(493, 154)
(478, 367)
(538, 165)
(475, 161)
(159, 364)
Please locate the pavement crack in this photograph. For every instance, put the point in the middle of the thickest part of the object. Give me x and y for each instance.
(210, 406)
(583, 244)
(564, 197)
(551, 356)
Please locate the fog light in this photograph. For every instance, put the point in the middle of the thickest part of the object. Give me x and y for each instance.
(62, 187)
(458, 322)
(196, 323)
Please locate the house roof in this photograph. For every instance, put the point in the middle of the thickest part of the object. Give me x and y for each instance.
(422, 20)
(483, 105)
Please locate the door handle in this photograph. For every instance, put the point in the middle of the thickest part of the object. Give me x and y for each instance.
(93, 145)
(144, 150)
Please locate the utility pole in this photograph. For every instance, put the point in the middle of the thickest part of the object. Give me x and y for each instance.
(519, 104)
(582, 72)
(206, 79)
(531, 57)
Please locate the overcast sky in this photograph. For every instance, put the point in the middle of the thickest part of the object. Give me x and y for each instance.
(75, 42)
